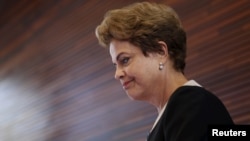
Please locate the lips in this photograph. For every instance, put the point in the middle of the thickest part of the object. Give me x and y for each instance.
(126, 84)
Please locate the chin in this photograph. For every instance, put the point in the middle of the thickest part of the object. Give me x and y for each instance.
(136, 96)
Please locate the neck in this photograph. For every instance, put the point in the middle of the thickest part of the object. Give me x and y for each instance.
(172, 82)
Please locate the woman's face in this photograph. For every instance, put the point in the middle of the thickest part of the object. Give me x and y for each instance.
(138, 74)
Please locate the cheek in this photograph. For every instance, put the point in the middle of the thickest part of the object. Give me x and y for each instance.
(141, 72)
(135, 70)
(148, 72)
(142, 69)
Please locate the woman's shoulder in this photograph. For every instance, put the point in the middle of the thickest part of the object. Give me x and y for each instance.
(193, 93)
(194, 90)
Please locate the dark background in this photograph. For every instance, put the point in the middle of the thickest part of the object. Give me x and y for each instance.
(57, 84)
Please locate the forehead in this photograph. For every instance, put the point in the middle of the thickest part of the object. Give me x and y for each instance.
(117, 47)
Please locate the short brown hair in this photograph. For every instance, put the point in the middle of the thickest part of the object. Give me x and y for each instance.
(144, 24)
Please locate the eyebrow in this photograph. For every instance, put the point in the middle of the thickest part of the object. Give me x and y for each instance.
(118, 57)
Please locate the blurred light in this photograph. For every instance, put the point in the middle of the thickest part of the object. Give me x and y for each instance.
(22, 111)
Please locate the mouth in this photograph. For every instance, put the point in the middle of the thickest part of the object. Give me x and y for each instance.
(126, 84)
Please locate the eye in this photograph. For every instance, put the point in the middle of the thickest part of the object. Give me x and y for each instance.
(124, 60)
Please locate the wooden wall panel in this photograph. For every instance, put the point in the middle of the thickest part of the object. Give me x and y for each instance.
(56, 82)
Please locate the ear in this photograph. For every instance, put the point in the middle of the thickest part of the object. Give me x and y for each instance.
(164, 47)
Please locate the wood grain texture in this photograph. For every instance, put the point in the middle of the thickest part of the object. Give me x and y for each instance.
(57, 83)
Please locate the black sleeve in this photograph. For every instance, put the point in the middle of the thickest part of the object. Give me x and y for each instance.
(189, 112)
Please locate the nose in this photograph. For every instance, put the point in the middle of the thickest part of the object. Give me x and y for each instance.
(119, 73)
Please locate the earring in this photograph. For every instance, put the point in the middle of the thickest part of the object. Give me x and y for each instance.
(160, 66)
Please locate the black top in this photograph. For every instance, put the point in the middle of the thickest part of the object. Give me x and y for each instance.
(188, 113)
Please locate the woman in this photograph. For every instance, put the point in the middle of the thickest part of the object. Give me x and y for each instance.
(147, 44)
